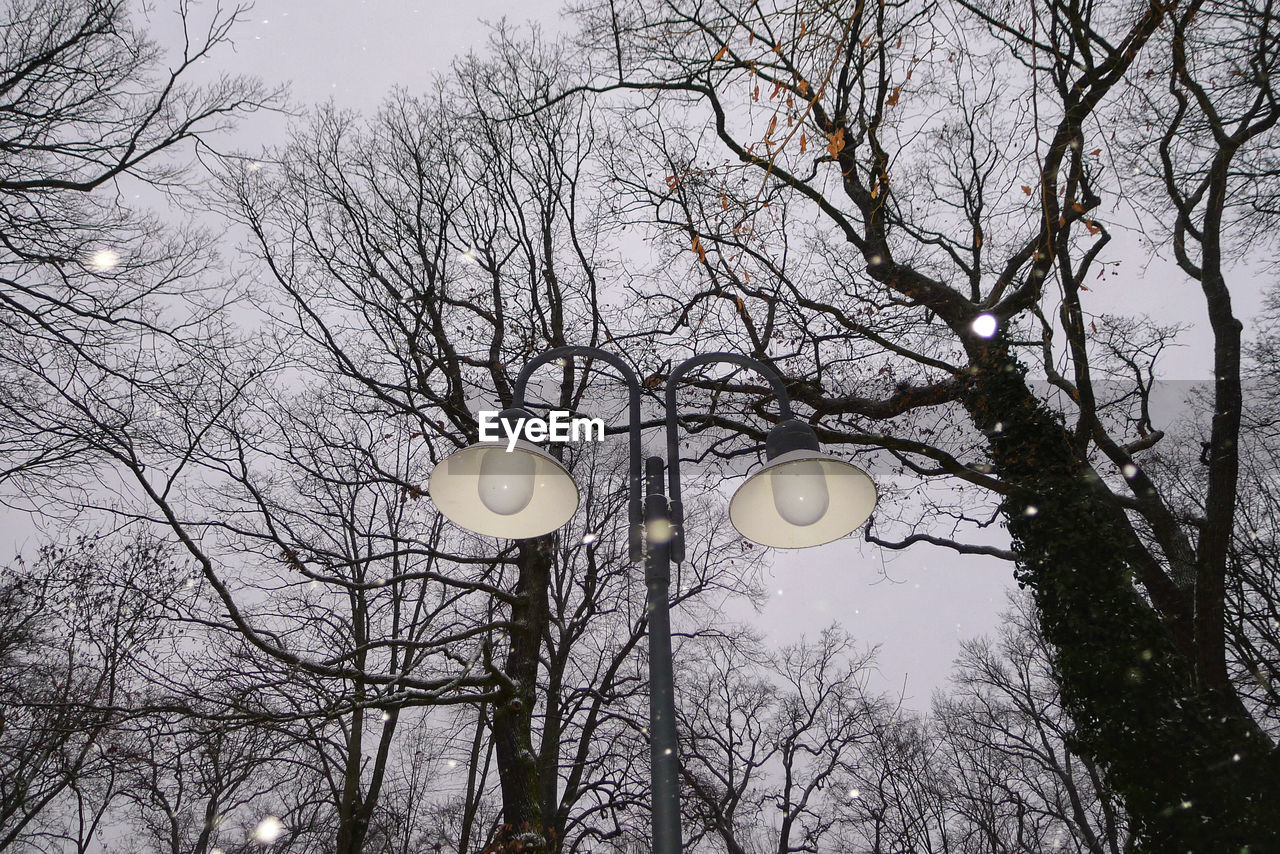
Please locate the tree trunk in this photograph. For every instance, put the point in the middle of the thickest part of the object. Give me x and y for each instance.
(1194, 774)
(523, 827)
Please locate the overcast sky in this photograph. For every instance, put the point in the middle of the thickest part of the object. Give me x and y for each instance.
(917, 605)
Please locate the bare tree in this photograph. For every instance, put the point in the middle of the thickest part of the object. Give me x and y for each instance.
(767, 739)
(79, 624)
(88, 115)
(185, 778)
(1018, 786)
(901, 206)
(898, 795)
(405, 278)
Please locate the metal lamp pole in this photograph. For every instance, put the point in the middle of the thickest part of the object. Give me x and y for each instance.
(657, 537)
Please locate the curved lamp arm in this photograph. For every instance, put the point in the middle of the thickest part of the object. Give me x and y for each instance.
(635, 517)
(673, 432)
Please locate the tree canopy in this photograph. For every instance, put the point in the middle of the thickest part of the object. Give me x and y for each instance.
(930, 218)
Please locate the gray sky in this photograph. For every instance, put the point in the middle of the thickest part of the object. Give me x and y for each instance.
(917, 605)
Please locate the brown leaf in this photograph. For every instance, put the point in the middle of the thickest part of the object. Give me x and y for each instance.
(697, 247)
(773, 124)
(835, 142)
(755, 94)
(1093, 227)
(804, 143)
(804, 87)
(892, 100)
(724, 202)
(1026, 189)
(1095, 152)
(720, 53)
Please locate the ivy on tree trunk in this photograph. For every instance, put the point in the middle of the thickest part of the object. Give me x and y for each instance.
(1195, 772)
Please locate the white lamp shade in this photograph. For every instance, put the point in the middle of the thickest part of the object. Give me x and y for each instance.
(850, 498)
(467, 485)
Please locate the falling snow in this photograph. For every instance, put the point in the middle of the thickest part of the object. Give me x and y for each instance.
(985, 325)
(268, 830)
(104, 260)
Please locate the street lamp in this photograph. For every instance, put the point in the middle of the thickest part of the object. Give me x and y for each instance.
(801, 497)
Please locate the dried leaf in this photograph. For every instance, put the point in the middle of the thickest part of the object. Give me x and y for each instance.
(892, 100)
(755, 94)
(773, 124)
(724, 202)
(1026, 189)
(804, 143)
(697, 247)
(804, 87)
(1093, 227)
(1095, 152)
(720, 53)
(835, 142)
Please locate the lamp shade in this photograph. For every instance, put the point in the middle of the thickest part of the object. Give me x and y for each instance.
(802, 498)
(514, 494)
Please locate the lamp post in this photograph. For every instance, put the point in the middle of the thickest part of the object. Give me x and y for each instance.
(801, 497)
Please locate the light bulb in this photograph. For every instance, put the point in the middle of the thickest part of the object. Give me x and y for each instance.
(800, 492)
(506, 481)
